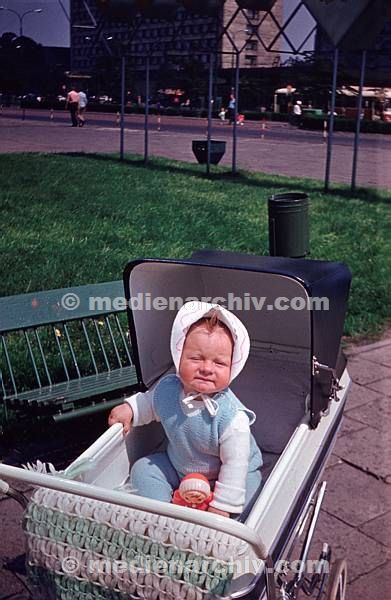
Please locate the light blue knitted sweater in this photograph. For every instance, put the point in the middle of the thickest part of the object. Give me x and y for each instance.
(193, 440)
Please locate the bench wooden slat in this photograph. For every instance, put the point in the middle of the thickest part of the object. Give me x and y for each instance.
(79, 389)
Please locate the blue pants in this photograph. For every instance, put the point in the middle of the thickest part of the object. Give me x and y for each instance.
(154, 476)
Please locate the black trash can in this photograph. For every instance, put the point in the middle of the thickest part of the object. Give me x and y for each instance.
(288, 225)
(200, 150)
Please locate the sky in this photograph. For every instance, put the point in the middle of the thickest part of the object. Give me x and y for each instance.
(300, 26)
(51, 26)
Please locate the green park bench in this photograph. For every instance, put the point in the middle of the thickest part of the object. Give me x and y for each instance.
(65, 353)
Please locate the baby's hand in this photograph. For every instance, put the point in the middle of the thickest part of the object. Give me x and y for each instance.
(216, 511)
(121, 414)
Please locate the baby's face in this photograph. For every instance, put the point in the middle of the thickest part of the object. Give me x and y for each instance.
(193, 496)
(206, 359)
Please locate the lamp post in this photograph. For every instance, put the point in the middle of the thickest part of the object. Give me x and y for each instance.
(233, 34)
(235, 93)
(21, 16)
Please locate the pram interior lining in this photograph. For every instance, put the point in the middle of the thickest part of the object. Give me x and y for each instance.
(276, 380)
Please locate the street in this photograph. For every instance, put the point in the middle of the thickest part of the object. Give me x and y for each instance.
(275, 148)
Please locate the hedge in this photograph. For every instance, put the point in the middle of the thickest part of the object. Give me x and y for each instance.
(316, 123)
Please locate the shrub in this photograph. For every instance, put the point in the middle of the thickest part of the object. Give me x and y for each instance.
(316, 123)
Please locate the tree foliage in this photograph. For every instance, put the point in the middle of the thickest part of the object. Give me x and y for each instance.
(21, 64)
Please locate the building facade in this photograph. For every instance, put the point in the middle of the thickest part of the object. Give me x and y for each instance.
(252, 32)
(172, 45)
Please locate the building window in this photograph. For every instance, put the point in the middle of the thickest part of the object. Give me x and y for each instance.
(252, 14)
(250, 61)
(252, 45)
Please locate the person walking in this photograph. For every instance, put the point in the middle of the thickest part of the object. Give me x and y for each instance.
(222, 114)
(72, 104)
(83, 101)
(297, 113)
(231, 109)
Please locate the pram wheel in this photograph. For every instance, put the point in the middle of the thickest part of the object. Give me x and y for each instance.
(338, 580)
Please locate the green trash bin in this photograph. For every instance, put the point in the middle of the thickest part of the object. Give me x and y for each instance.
(288, 225)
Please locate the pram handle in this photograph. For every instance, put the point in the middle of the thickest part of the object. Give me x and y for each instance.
(197, 517)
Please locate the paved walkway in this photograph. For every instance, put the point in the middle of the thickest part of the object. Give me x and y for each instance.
(356, 517)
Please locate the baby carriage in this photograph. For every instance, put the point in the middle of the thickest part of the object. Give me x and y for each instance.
(89, 537)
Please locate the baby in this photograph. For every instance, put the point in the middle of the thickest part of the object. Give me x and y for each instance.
(207, 427)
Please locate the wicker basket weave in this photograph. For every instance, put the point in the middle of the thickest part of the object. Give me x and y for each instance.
(79, 548)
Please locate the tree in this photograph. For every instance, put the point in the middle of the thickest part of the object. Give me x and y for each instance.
(21, 64)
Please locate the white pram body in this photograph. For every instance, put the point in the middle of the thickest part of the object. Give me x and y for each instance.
(124, 546)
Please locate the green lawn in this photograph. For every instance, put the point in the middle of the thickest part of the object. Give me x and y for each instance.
(69, 220)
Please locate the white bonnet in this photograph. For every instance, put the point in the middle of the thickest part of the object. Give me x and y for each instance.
(190, 313)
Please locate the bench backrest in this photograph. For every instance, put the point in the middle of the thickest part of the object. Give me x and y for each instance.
(59, 347)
